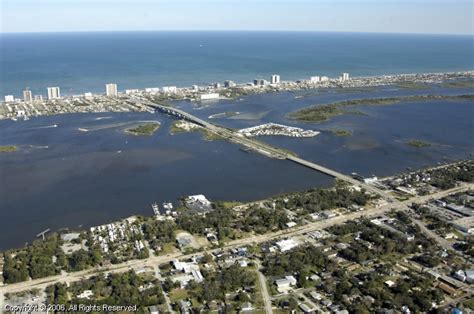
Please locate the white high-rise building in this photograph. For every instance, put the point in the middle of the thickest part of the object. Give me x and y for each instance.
(275, 79)
(27, 95)
(39, 97)
(54, 93)
(111, 90)
(324, 78)
(345, 77)
(315, 79)
(229, 83)
(9, 98)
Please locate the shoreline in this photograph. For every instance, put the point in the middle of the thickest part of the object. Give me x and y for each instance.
(251, 202)
(98, 103)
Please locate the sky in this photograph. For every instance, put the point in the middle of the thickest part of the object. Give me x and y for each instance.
(392, 16)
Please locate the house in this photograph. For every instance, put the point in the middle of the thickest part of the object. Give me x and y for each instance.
(153, 309)
(390, 283)
(315, 278)
(182, 279)
(306, 309)
(328, 214)
(448, 289)
(470, 275)
(460, 275)
(86, 294)
(316, 296)
(285, 284)
(184, 306)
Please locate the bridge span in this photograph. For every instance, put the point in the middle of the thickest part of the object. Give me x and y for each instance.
(258, 146)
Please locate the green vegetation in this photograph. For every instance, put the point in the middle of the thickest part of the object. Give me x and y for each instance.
(325, 112)
(302, 260)
(8, 149)
(46, 258)
(320, 113)
(144, 129)
(217, 284)
(418, 143)
(340, 132)
(459, 84)
(181, 126)
(114, 289)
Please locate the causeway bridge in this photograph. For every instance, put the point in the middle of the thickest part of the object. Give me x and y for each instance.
(257, 146)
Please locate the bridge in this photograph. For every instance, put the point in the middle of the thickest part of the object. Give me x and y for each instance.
(258, 146)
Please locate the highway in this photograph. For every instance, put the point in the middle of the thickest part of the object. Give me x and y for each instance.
(255, 239)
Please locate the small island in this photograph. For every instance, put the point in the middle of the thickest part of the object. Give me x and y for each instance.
(319, 113)
(181, 126)
(224, 115)
(341, 132)
(8, 149)
(146, 129)
(418, 143)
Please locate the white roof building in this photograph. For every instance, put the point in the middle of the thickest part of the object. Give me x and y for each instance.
(86, 294)
(286, 245)
(285, 284)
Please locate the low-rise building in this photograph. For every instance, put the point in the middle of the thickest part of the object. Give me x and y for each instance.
(287, 244)
(284, 284)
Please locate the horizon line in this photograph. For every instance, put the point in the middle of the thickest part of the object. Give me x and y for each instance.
(234, 31)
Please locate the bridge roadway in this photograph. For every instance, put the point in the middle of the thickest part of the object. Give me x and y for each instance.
(258, 146)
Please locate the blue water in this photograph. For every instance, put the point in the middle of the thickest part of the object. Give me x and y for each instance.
(82, 62)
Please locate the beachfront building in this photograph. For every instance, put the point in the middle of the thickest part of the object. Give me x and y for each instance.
(152, 90)
(315, 79)
(111, 90)
(229, 83)
(54, 93)
(345, 77)
(27, 95)
(260, 82)
(275, 79)
(209, 96)
(38, 97)
(170, 89)
(9, 98)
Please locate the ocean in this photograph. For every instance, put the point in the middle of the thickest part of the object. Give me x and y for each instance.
(84, 62)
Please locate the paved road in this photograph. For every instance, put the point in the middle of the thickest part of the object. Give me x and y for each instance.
(256, 239)
(160, 278)
(264, 289)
